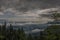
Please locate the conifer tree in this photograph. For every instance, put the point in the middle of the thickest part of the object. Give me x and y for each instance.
(10, 33)
(3, 30)
(41, 35)
(30, 37)
(57, 36)
(22, 34)
(19, 34)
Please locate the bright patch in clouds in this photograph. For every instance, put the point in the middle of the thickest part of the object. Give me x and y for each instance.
(1, 13)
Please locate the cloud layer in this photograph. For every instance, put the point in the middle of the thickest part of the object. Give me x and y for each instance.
(12, 14)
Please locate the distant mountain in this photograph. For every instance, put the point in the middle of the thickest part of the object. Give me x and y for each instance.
(54, 22)
(34, 29)
(31, 28)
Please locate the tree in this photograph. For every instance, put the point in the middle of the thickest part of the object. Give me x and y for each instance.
(17, 34)
(55, 15)
(41, 35)
(3, 30)
(52, 33)
(10, 33)
(4, 27)
(22, 34)
(30, 37)
(57, 36)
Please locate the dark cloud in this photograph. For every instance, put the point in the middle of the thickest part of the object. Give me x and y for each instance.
(24, 5)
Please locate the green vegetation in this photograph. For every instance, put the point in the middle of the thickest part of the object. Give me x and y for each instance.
(55, 15)
(51, 33)
(10, 34)
(13, 34)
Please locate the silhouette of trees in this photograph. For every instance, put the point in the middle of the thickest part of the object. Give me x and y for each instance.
(51, 33)
(30, 37)
(11, 33)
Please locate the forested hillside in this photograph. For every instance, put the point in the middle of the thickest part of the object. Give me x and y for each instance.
(52, 33)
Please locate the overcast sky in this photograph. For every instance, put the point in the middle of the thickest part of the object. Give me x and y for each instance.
(28, 10)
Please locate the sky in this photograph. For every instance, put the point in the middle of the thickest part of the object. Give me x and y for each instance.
(28, 10)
